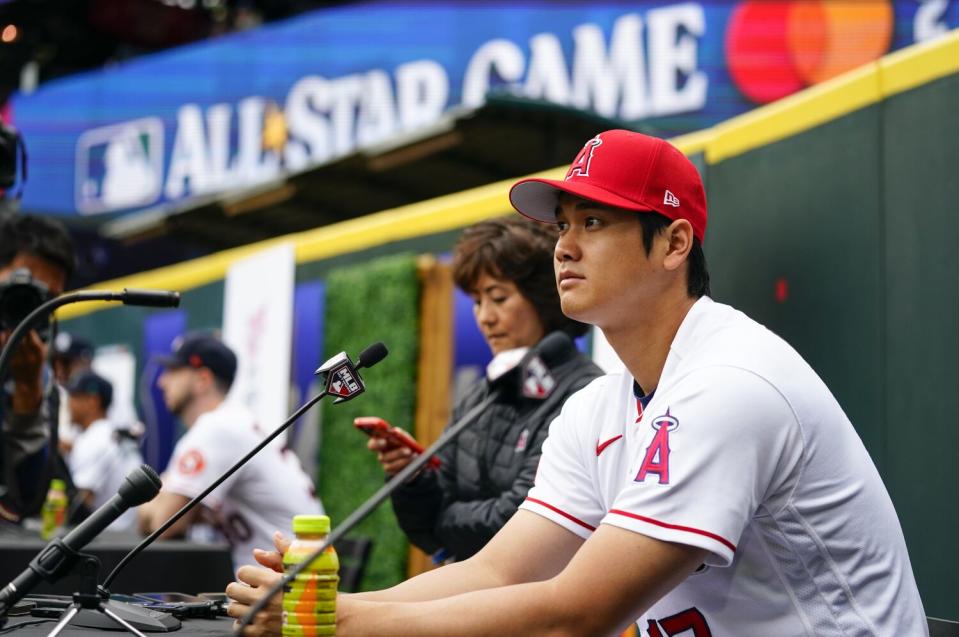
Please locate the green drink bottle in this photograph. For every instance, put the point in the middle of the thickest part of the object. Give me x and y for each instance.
(309, 601)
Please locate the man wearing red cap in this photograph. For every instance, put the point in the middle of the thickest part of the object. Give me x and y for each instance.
(713, 488)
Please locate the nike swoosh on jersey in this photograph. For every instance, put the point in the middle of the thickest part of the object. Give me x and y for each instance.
(600, 446)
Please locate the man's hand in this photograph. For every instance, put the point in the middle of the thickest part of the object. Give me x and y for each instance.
(251, 578)
(273, 559)
(26, 370)
(392, 456)
(254, 581)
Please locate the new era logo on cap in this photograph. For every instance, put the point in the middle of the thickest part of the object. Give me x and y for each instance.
(626, 170)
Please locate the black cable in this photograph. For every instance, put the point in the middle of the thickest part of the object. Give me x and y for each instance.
(32, 622)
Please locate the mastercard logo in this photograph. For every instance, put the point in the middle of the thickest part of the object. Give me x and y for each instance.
(775, 48)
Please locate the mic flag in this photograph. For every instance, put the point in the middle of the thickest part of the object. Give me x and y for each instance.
(342, 379)
(538, 383)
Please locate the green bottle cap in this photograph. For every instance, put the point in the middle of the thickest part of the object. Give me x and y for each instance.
(58, 485)
(311, 524)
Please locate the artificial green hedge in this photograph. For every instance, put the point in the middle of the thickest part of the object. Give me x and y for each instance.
(375, 301)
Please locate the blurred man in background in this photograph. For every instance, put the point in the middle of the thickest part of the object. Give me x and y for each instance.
(36, 254)
(263, 495)
(71, 354)
(104, 452)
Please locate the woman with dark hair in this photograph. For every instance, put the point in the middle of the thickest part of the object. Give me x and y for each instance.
(506, 266)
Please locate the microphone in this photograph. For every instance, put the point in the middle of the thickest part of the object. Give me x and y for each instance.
(372, 355)
(150, 298)
(341, 379)
(141, 485)
(549, 348)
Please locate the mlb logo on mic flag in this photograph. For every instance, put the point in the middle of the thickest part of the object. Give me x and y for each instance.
(341, 382)
(537, 381)
(119, 166)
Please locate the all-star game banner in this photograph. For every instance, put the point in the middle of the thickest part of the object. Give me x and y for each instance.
(242, 109)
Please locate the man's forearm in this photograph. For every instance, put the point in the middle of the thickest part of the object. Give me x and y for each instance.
(152, 515)
(453, 579)
(523, 609)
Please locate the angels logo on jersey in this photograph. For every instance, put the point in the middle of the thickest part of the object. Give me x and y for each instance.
(657, 453)
(191, 463)
(681, 623)
(342, 382)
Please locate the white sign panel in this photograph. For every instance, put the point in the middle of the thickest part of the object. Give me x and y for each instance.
(258, 326)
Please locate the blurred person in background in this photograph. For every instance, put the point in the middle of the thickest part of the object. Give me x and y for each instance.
(259, 498)
(70, 354)
(40, 250)
(506, 266)
(104, 452)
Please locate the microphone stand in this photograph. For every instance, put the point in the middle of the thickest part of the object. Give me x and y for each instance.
(450, 434)
(150, 539)
(150, 298)
(341, 380)
(370, 505)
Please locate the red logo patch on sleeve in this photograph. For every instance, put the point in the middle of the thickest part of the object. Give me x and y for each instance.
(191, 463)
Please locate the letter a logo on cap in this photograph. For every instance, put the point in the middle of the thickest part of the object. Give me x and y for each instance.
(671, 200)
(580, 165)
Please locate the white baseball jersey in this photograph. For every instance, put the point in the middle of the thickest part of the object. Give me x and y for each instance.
(260, 498)
(744, 452)
(99, 461)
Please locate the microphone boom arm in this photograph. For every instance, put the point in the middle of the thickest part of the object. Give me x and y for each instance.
(335, 372)
(150, 539)
(134, 297)
(374, 501)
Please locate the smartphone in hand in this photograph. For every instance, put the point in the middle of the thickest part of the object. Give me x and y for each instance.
(375, 426)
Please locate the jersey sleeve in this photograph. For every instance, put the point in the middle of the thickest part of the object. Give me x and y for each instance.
(564, 489)
(90, 460)
(717, 448)
(200, 457)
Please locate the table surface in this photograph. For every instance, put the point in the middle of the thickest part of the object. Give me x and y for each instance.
(222, 627)
(168, 565)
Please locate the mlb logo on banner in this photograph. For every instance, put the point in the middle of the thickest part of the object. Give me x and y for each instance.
(119, 166)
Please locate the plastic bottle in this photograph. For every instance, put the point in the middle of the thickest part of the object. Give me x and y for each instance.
(54, 511)
(309, 601)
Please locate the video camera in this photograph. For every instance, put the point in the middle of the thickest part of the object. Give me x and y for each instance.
(20, 295)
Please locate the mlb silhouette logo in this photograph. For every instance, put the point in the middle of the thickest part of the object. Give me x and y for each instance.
(119, 166)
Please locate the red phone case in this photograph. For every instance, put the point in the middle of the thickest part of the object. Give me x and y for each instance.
(375, 426)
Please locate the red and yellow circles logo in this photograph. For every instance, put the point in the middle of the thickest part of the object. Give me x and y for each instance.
(775, 48)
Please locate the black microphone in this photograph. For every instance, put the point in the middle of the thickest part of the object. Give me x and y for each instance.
(150, 298)
(372, 355)
(549, 348)
(341, 380)
(141, 485)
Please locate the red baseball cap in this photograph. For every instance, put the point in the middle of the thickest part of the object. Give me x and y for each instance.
(622, 169)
